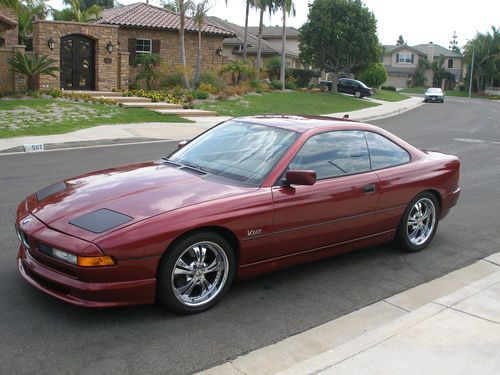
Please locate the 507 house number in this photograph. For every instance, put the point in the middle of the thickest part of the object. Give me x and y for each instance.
(35, 147)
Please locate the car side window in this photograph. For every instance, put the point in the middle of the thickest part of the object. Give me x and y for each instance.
(385, 153)
(333, 154)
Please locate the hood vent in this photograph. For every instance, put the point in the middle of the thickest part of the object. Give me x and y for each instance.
(101, 220)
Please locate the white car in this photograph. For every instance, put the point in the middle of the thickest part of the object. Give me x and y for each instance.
(434, 94)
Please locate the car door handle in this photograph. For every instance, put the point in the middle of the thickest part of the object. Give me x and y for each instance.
(370, 188)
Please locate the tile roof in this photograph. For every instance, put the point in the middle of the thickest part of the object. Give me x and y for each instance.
(423, 49)
(268, 48)
(149, 16)
(273, 31)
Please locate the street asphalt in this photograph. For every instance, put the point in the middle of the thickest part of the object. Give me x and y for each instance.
(45, 336)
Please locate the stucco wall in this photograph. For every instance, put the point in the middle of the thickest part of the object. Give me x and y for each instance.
(106, 71)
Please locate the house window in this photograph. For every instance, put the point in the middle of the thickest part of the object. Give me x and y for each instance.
(405, 58)
(143, 45)
(450, 63)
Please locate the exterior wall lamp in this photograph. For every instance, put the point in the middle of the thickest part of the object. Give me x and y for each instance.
(109, 47)
(218, 52)
(51, 43)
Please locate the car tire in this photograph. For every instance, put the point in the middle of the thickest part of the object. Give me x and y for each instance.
(195, 273)
(418, 223)
(357, 94)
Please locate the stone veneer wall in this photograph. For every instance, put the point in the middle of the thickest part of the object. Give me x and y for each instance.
(9, 35)
(170, 51)
(106, 74)
(6, 75)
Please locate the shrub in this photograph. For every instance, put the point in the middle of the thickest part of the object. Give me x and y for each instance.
(374, 76)
(254, 83)
(207, 77)
(208, 87)
(56, 93)
(290, 85)
(173, 80)
(388, 88)
(148, 64)
(302, 76)
(276, 84)
(273, 65)
(199, 94)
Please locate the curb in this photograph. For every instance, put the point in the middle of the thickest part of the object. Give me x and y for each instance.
(322, 347)
(388, 114)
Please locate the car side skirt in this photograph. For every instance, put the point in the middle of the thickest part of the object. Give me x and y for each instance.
(270, 265)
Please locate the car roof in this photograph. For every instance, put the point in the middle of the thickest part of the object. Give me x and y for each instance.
(302, 124)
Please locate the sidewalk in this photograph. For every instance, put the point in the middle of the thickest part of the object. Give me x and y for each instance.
(450, 325)
(106, 134)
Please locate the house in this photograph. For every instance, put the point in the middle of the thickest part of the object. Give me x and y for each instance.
(98, 55)
(271, 43)
(401, 61)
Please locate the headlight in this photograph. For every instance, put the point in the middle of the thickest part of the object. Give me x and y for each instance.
(67, 257)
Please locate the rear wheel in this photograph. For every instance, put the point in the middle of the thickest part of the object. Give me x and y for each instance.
(419, 223)
(195, 273)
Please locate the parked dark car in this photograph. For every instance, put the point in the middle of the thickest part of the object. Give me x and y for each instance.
(249, 196)
(354, 87)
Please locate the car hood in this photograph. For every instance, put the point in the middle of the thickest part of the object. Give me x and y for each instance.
(138, 191)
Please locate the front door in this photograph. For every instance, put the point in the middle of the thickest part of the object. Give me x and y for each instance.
(77, 63)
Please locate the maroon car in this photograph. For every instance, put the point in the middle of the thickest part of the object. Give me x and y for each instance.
(249, 196)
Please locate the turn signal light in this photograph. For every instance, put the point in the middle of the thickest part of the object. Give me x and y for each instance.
(95, 261)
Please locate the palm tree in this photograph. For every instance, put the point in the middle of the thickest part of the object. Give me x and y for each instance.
(74, 12)
(27, 12)
(32, 67)
(288, 7)
(262, 6)
(199, 17)
(181, 7)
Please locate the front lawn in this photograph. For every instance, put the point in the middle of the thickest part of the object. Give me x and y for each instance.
(289, 103)
(389, 96)
(21, 117)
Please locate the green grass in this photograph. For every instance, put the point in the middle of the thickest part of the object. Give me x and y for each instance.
(413, 90)
(21, 117)
(389, 96)
(296, 103)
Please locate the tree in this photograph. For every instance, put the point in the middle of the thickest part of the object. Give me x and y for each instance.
(400, 41)
(418, 78)
(73, 12)
(199, 17)
(27, 12)
(287, 7)
(32, 67)
(374, 75)
(262, 6)
(103, 4)
(339, 35)
(454, 43)
(182, 7)
(486, 48)
(238, 69)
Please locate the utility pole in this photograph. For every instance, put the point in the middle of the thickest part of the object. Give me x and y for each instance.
(471, 70)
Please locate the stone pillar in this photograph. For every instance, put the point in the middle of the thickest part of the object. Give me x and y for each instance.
(123, 70)
(20, 81)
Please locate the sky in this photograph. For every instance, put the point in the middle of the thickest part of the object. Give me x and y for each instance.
(419, 21)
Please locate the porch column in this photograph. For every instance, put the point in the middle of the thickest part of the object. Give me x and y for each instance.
(20, 80)
(123, 68)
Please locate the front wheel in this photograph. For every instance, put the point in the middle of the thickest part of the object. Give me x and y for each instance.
(357, 94)
(195, 273)
(418, 223)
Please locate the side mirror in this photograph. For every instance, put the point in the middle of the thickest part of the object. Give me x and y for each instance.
(181, 144)
(300, 177)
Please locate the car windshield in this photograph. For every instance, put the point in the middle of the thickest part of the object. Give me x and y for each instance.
(237, 150)
(434, 91)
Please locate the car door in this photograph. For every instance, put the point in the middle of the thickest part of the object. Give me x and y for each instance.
(341, 205)
(341, 85)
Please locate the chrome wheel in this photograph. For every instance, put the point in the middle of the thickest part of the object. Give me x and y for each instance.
(199, 273)
(421, 221)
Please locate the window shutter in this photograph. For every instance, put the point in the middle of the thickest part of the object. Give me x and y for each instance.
(397, 58)
(412, 58)
(132, 50)
(156, 46)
